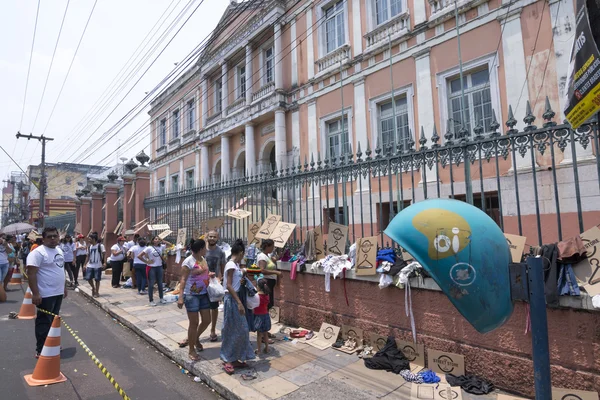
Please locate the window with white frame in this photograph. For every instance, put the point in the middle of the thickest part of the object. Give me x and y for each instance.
(392, 134)
(384, 10)
(218, 95)
(161, 186)
(162, 133)
(477, 103)
(175, 183)
(335, 34)
(241, 81)
(269, 64)
(175, 125)
(191, 115)
(338, 143)
(189, 179)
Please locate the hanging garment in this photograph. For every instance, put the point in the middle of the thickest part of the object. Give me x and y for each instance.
(386, 255)
(567, 282)
(549, 253)
(293, 270)
(352, 254)
(310, 246)
(470, 383)
(571, 250)
(411, 377)
(385, 281)
(389, 358)
(384, 267)
(397, 267)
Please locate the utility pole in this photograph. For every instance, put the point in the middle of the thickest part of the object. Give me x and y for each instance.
(42, 188)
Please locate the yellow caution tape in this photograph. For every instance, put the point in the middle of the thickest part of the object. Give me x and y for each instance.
(92, 356)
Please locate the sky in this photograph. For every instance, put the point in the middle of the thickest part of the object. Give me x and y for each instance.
(115, 31)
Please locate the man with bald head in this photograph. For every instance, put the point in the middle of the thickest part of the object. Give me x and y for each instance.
(215, 258)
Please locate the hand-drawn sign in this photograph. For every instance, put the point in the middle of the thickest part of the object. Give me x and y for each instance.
(319, 250)
(366, 255)
(448, 393)
(336, 239)
(328, 333)
(281, 233)
(268, 226)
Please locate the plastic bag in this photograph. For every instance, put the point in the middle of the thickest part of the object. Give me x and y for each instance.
(252, 302)
(216, 292)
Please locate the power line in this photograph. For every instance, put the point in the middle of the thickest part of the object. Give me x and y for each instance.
(37, 13)
(70, 66)
(51, 63)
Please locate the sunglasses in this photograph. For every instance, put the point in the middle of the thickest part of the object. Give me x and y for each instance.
(51, 236)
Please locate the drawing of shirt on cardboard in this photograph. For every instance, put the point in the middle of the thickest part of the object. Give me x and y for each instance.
(268, 226)
(252, 231)
(319, 250)
(282, 233)
(366, 254)
(336, 239)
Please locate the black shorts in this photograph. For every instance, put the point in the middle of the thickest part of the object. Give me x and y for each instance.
(214, 305)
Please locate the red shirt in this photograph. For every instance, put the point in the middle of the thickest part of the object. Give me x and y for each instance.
(262, 309)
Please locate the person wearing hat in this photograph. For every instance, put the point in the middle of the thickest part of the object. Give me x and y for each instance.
(117, 258)
(81, 251)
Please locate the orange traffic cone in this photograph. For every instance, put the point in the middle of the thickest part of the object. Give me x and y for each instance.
(47, 369)
(16, 276)
(27, 310)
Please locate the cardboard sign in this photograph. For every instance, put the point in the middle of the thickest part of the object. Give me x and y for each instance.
(588, 270)
(570, 394)
(320, 249)
(336, 239)
(422, 392)
(181, 236)
(366, 254)
(213, 224)
(164, 234)
(268, 226)
(239, 214)
(282, 233)
(414, 352)
(508, 397)
(516, 244)
(351, 332)
(77, 227)
(377, 341)
(441, 391)
(158, 227)
(327, 336)
(252, 231)
(274, 314)
(445, 363)
(117, 229)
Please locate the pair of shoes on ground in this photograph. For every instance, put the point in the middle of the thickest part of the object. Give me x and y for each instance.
(153, 303)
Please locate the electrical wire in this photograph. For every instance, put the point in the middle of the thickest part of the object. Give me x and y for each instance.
(37, 13)
(70, 66)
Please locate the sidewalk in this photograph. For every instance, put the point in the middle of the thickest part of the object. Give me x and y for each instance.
(290, 372)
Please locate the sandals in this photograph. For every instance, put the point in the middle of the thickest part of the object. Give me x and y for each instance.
(214, 338)
(183, 344)
(297, 334)
(228, 368)
(194, 357)
(199, 347)
(309, 335)
(237, 364)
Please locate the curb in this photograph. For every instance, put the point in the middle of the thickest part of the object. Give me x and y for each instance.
(193, 368)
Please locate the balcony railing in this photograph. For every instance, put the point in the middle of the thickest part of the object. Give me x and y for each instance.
(334, 58)
(236, 105)
(439, 5)
(390, 30)
(213, 118)
(264, 91)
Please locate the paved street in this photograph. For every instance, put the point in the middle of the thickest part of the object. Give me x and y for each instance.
(143, 372)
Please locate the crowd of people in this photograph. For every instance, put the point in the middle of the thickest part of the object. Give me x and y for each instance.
(145, 261)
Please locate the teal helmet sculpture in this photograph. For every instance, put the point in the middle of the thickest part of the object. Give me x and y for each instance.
(465, 252)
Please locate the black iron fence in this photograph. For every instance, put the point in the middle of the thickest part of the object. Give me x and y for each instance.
(542, 183)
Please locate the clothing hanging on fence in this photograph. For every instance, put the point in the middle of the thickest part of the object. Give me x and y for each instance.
(386, 255)
(549, 253)
(389, 358)
(310, 246)
(571, 250)
(352, 254)
(332, 265)
(567, 282)
(385, 281)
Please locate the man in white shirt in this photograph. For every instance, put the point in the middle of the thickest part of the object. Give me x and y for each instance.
(45, 270)
(94, 263)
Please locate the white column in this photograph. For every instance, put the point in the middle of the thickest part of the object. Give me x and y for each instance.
(357, 28)
(278, 55)
(360, 116)
(294, 52)
(204, 111)
(249, 78)
(250, 150)
(181, 177)
(168, 178)
(515, 70)
(225, 158)
(198, 110)
(205, 170)
(424, 105)
(310, 53)
(419, 12)
(280, 140)
(197, 167)
(313, 130)
(224, 91)
(295, 138)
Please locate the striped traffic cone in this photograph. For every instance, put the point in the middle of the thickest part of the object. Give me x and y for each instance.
(16, 276)
(47, 369)
(27, 310)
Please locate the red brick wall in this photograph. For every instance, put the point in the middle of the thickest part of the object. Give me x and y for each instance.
(502, 356)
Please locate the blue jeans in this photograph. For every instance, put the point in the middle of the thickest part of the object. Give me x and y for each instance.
(140, 276)
(155, 275)
(3, 271)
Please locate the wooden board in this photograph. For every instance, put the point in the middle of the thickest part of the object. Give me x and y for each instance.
(336, 239)
(516, 244)
(282, 233)
(445, 363)
(268, 226)
(164, 234)
(414, 352)
(588, 270)
(327, 336)
(366, 254)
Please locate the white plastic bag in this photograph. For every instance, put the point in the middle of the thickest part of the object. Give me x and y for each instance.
(216, 292)
(252, 302)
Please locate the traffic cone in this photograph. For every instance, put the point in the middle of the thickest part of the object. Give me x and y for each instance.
(47, 369)
(16, 276)
(27, 310)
